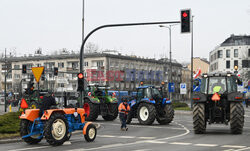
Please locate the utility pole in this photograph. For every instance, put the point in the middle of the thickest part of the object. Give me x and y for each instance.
(192, 41)
(82, 92)
(5, 79)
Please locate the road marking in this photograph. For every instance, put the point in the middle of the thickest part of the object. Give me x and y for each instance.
(67, 143)
(146, 137)
(206, 145)
(155, 142)
(233, 146)
(109, 136)
(126, 136)
(142, 149)
(32, 148)
(180, 143)
(248, 148)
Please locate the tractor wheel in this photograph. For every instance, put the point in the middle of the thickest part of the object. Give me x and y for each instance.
(91, 109)
(146, 113)
(168, 117)
(34, 105)
(90, 133)
(69, 135)
(199, 121)
(236, 117)
(25, 126)
(113, 109)
(56, 129)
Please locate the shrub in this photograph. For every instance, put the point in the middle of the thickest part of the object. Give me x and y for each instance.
(10, 122)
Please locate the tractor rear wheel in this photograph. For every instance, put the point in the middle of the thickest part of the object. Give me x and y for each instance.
(199, 121)
(56, 129)
(168, 117)
(146, 113)
(90, 133)
(113, 108)
(25, 126)
(236, 117)
(91, 109)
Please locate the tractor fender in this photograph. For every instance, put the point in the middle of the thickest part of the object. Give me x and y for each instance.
(146, 100)
(165, 101)
(93, 99)
(235, 97)
(132, 103)
(30, 114)
(199, 97)
(85, 127)
(47, 113)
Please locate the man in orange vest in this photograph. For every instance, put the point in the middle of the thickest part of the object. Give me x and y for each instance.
(123, 113)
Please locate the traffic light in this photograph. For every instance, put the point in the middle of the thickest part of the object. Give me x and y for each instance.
(185, 20)
(55, 71)
(80, 82)
(24, 69)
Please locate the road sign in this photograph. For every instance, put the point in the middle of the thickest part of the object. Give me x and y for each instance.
(183, 88)
(37, 71)
(197, 88)
(170, 87)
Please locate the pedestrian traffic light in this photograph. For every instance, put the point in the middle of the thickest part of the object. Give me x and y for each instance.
(80, 82)
(24, 69)
(185, 20)
(55, 71)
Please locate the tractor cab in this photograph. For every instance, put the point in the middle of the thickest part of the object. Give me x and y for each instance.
(149, 92)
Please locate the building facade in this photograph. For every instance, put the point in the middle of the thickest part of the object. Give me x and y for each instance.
(234, 51)
(118, 71)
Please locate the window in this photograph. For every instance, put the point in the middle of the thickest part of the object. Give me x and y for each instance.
(235, 62)
(228, 53)
(99, 63)
(61, 85)
(219, 54)
(248, 52)
(235, 53)
(227, 64)
(60, 65)
(60, 75)
(17, 76)
(16, 66)
(86, 64)
(245, 63)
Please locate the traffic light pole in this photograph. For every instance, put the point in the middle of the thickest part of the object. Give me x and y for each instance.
(107, 26)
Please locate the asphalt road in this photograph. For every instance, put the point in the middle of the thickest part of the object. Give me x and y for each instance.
(176, 136)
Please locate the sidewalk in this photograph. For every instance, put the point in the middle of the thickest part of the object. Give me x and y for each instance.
(13, 109)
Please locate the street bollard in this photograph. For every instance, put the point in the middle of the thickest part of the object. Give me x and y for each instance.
(10, 107)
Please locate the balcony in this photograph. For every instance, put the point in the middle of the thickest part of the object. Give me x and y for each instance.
(72, 68)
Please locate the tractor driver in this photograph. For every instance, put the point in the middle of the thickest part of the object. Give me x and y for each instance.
(218, 86)
(123, 113)
(47, 102)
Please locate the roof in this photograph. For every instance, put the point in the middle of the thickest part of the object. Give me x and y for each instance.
(234, 40)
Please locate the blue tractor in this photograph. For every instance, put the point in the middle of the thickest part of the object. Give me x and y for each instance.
(148, 105)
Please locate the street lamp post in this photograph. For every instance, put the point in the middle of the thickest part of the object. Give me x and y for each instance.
(170, 54)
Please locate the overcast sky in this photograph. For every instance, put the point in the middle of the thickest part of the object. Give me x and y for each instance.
(26, 25)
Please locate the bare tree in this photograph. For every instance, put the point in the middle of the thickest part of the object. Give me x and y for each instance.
(91, 48)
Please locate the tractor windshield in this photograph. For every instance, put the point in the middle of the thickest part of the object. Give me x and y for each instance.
(217, 85)
(231, 84)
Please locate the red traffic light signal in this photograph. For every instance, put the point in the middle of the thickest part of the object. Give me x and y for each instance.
(185, 21)
(80, 75)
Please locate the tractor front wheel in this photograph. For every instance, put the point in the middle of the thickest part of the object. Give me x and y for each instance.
(90, 133)
(146, 113)
(168, 117)
(236, 117)
(56, 129)
(25, 128)
(91, 109)
(199, 121)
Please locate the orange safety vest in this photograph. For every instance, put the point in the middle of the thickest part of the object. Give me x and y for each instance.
(123, 109)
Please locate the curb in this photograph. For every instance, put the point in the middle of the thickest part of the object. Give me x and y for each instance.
(18, 139)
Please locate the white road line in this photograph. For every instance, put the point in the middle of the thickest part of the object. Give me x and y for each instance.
(233, 146)
(67, 143)
(32, 148)
(126, 137)
(180, 143)
(248, 148)
(142, 149)
(229, 150)
(206, 145)
(146, 137)
(108, 136)
(155, 142)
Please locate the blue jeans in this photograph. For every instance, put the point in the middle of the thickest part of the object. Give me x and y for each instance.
(123, 119)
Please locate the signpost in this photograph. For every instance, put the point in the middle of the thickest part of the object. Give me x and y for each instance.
(170, 87)
(183, 88)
